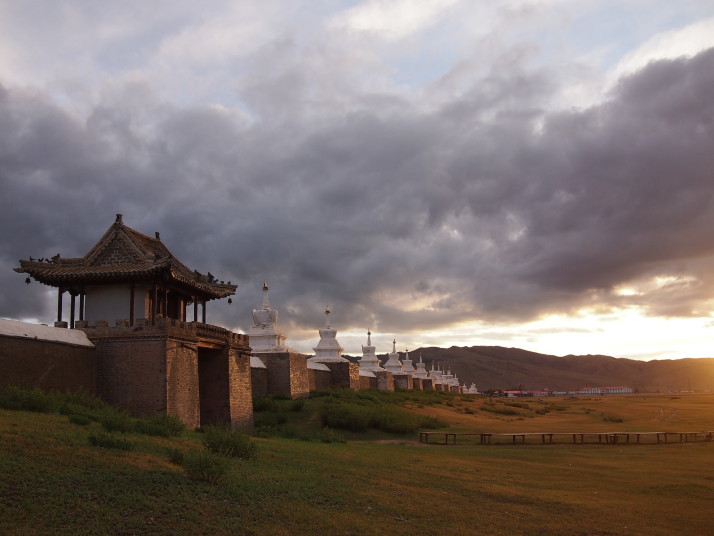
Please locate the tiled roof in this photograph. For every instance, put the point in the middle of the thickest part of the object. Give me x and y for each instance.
(124, 254)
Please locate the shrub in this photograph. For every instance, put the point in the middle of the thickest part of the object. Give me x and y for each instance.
(328, 435)
(346, 416)
(109, 441)
(229, 443)
(19, 399)
(270, 418)
(297, 405)
(205, 466)
(116, 420)
(264, 403)
(81, 420)
(175, 456)
(160, 424)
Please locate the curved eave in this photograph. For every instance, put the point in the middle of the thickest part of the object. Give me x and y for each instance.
(74, 274)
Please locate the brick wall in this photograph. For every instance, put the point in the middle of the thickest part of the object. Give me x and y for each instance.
(182, 391)
(259, 382)
(47, 365)
(319, 379)
(131, 373)
(385, 380)
(345, 375)
(239, 381)
(417, 384)
(287, 374)
(402, 381)
(427, 384)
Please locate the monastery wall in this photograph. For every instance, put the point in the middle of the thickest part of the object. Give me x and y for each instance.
(287, 374)
(319, 379)
(259, 382)
(403, 381)
(182, 394)
(47, 364)
(239, 384)
(345, 375)
(385, 380)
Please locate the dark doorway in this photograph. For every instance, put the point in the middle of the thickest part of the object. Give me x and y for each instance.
(213, 386)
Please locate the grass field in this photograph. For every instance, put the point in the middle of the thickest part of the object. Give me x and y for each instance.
(53, 481)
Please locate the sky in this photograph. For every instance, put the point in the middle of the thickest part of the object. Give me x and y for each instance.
(521, 173)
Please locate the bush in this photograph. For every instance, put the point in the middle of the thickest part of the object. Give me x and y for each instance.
(109, 441)
(328, 435)
(19, 399)
(229, 443)
(116, 420)
(161, 425)
(81, 420)
(270, 418)
(205, 466)
(175, 456)
(297, 405)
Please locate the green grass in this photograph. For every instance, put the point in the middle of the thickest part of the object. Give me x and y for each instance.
(53, 481)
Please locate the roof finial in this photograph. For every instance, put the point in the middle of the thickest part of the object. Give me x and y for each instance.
(118, 220)
(327, 316)
(394, 346)
(158, 236)
(266, 300)
(369, 338)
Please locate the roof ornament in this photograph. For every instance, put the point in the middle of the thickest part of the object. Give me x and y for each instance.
(157, 235)
(266, 300)
(394, 346)
(118, 220)
(369, 337)
(327, 317)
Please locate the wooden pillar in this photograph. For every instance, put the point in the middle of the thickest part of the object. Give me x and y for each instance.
(72, 302)
(165, 304)
(195, 308)
(60, 291)
(81, 304)
(154, 303)
(131, 304)
(203, 314)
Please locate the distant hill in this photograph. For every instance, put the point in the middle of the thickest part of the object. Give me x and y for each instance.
(496, 367)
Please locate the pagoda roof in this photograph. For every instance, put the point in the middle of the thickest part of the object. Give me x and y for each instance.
(124, 255)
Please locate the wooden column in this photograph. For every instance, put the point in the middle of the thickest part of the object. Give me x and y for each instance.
(154, 303)
(203, 314)
(131, 304)
(81, 304)
(72, 302)
(60, 291)
(195, 308)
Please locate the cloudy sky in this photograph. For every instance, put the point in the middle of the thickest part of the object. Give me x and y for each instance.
(537, 174)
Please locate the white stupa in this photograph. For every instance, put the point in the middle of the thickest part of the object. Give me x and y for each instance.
(435, 374)
(369, 360)
(328, 350)
(265, 335)
(393, 364)
(473, 390)
(421, 371)
(407, 364)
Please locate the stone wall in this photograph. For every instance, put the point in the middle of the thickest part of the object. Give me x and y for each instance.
(385, 380)
(345, 375)
(259, 382)
(417, 384)
(240, 393)
(319, 379)
(287, 374)
(182, 391)
(368, 382)
(402, 381)
(47, 365)
(197, 372)
(427, 384)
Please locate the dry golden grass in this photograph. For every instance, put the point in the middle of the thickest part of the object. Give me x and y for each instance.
(53, 482)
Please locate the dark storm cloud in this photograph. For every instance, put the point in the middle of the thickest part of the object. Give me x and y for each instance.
(402, 214)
